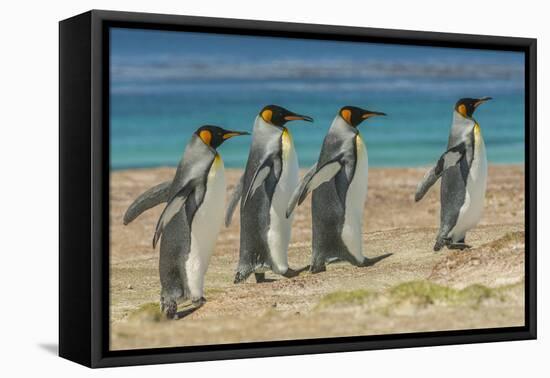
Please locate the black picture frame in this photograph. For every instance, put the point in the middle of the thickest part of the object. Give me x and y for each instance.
(84, 188)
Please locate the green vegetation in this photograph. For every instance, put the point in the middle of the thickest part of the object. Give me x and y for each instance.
(421, 293)
(148, 312)
(425, 292)
(213, 291)
(346, 297)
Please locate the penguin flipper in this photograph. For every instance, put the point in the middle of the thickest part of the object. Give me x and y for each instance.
(311, 181)
(148, 199)
(423, 186)
(449, 159)
(262, 172)
(300, 189)
(234, 200)
(173, 207)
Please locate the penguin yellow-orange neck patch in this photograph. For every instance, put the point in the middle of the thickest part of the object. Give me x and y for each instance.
(206, 136)
(477, 129)
(267, 115)
(359, 145)
(346, 115)
(286, 135)
(286, 139)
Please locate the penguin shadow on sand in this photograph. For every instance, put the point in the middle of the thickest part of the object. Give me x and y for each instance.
(261, 278)
(186, 311)
(367, 262)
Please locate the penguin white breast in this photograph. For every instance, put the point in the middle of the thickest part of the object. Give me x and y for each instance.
(352, 231)
(205, 228)
(278, 235)
(476, 185)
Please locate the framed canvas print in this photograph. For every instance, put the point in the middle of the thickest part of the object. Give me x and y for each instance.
(233, 188)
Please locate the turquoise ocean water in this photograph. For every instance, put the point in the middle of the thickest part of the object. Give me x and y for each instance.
(166, 84)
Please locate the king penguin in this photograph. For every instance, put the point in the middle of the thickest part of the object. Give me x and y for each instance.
(339, 184)
(270, 177)
(189, 224)
(463, 172)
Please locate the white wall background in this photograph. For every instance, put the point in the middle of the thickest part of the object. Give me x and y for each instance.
(29, 185)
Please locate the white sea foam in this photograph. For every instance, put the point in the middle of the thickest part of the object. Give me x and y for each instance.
(164, 68)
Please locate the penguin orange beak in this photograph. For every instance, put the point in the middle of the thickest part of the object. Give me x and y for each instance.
(231, 134)
(369, 114)
(298, 117)
(481, 101)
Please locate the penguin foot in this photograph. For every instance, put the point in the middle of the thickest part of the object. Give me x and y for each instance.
(460, 246)
(290, 273)
(198, 302)
(170, 309)
(260, 278)
(240, 277)
(374, 260)
(195, 305)
(334, 260)
(440, 243)
(318, 268)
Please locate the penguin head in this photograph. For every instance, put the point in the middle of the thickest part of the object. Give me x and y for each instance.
(214, 136)
(278, 116)
(354, 115)
(467, 106)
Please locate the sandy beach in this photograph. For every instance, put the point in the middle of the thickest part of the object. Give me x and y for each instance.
(413, 290)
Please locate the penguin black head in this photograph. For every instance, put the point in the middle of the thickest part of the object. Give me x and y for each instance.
(278, 116)
(214, 136)
(354, 115)
(467, 106)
